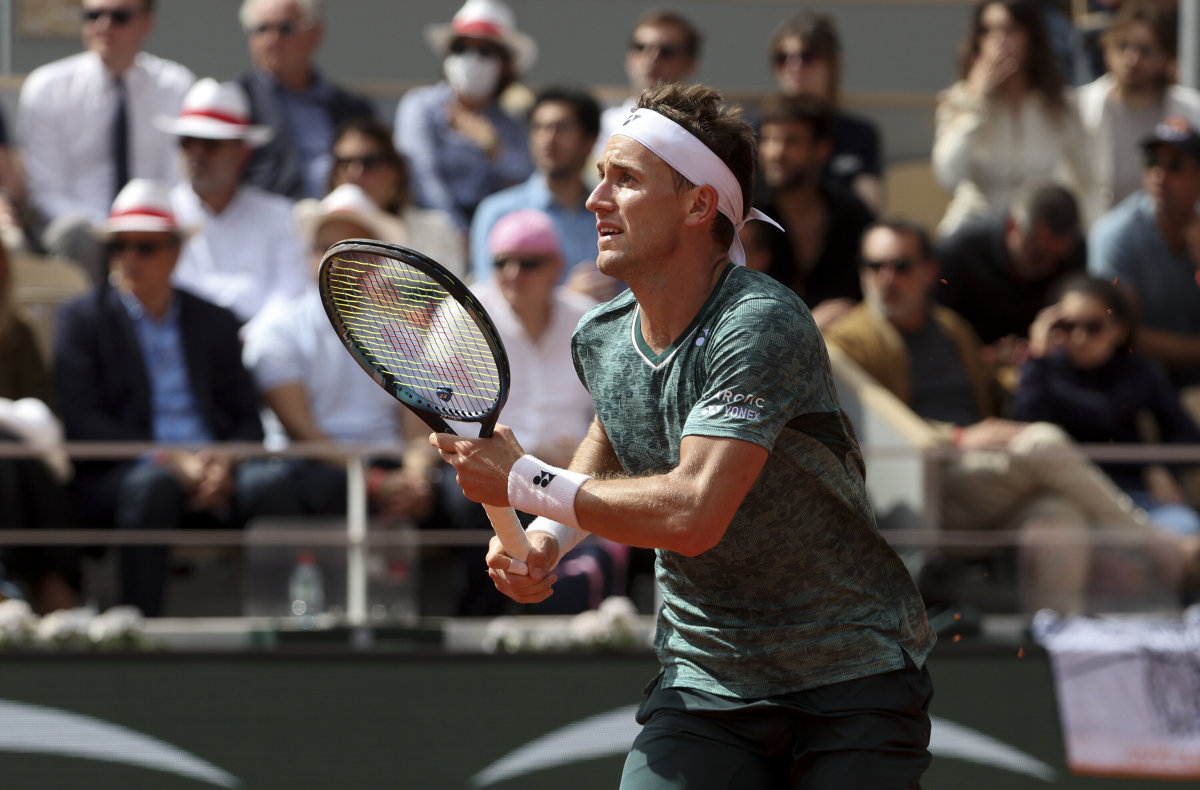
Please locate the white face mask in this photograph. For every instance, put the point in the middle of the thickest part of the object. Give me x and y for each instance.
(471, 75)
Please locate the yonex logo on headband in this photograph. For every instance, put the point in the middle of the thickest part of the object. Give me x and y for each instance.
(696, 162)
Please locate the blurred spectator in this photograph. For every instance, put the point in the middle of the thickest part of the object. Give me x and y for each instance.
(1124, 105)
(1150, 244)
(364, 155)
(1084, 376)
(1009, 118)
(664, 47)
(141, 361)
(32, 489)
(318, 393)
(824, 221)
(998, 273)
(548, 407)
(929, 358)
(562, 131)
(806, 58)
(290, 95)
(460, 142)
(14, 219)
(85, 126)
(247, 251)
(1066, 41)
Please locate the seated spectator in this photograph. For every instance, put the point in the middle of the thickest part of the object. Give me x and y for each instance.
(823, 222)
(317, 392)
(998, 273)
(247, 252)
(664, 48)
(1123, 106)
(84, 125)
(1150, 244)
(1008, 119)
(139, 360)
(547, 405)
(806, 59)
(562, 131)
(14, 213)
(1084, 375)
(1033, 481)
(364, 155)
(461, 143)
(32, 489)
(289, 94)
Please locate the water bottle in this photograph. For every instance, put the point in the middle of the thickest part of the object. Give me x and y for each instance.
(306, 589)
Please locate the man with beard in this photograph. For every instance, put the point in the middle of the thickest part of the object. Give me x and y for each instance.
(823, 221)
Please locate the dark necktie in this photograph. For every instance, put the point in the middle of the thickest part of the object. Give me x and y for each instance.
(120, 137)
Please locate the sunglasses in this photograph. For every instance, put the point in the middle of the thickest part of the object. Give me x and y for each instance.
(898, 265)
(206, 143)
(143, 248)
(524, 264)
(1091, 327)
(116, 16)
(366, 161)
(286, 28)
(481, 48)
(1174, 163)
(664, 51)
(804, 57)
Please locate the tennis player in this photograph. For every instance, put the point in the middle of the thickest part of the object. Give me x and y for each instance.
(791, 637)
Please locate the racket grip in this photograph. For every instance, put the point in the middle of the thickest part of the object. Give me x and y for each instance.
(512, 537)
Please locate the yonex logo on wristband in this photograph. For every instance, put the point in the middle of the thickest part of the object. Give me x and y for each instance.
(543, 478)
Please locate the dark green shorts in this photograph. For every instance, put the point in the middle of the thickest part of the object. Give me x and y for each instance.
(870, 733)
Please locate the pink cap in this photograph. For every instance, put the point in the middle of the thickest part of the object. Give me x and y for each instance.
(526, 230)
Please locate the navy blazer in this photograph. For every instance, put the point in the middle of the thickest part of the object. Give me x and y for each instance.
(103, 386)
(277, 166)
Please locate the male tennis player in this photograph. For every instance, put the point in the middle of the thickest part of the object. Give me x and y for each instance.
(791, 637)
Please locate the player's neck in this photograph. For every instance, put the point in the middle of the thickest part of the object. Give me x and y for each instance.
(670, 304)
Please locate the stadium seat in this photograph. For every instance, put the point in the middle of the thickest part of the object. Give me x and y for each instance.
(39, 285)
(910, 191)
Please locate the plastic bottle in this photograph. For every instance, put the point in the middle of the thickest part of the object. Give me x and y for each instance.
(306, 589)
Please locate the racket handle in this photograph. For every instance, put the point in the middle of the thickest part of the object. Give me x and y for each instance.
(512, 537)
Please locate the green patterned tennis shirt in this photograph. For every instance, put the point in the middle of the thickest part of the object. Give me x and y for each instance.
(801, 591)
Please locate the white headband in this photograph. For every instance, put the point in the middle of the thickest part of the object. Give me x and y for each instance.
(696, 162)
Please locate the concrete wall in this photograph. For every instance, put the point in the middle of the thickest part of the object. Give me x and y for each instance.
(898, 54)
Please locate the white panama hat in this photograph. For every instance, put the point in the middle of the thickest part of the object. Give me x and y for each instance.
(216, 111)
(488, 19)
(349, 202)
(143, 206)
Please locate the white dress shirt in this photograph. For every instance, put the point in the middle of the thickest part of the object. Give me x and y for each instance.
(245, 257)
(64, 126)
(547, 404)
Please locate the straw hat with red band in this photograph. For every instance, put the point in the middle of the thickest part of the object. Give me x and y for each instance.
(487, 19)
(216, 111)
(143, 206)
(350, 203)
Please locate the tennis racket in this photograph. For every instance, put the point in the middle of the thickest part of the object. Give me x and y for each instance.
(424, 337)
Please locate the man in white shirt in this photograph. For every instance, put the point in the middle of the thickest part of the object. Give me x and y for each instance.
(1123, 106)
(248, 252)
(69, 132)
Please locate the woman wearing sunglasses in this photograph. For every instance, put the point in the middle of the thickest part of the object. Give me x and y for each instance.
(461, 143)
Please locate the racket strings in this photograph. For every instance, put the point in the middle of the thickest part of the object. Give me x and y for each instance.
(408, 325)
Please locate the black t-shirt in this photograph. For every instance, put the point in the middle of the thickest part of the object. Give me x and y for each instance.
(856, 150)
(941, 389)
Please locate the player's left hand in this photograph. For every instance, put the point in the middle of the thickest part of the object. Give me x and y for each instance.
(535, 587)
(482, 465)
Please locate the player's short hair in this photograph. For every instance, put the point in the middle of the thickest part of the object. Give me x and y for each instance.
(311, 9)
(586, 109)
(720, 126)
(663, 17)
(1047, 203)
(805, 109)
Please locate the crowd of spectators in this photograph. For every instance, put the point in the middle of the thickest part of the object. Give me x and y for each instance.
(198, 209)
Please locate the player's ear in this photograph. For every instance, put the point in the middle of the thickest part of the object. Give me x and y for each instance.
(702, 205)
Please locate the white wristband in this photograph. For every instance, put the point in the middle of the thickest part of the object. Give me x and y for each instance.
(567, 537)
(544, 490)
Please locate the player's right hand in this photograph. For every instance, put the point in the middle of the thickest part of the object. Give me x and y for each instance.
(539, 584)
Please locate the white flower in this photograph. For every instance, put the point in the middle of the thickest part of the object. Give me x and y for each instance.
(17, 622)
(67, 627)
(118, 624)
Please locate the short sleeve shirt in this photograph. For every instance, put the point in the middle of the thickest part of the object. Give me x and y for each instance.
(801, 582)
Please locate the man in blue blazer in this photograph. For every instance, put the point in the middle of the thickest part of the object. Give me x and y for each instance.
(138, 360)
